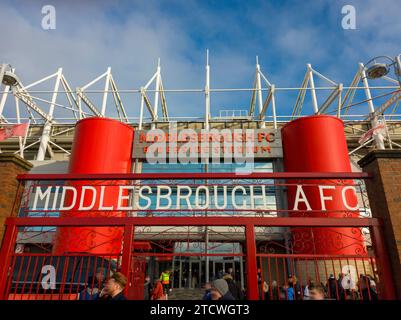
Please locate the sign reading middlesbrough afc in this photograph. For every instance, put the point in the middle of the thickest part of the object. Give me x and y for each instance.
(258, 143)
(184, 197)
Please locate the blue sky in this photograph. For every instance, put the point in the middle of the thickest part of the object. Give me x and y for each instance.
(129, 36)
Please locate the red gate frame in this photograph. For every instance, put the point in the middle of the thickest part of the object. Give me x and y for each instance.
(249, 223)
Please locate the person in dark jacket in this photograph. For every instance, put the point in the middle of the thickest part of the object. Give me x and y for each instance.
(368, 293)
(208, 288)
(94, 286)
(147, 288)
(114, 288)
(332, 287)
(341, 291)
(220, 290)
(233, 287)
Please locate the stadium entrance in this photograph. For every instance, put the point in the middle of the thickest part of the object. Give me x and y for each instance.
(263, 251)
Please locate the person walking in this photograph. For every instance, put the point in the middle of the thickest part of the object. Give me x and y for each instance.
(233, 287)
(114, 288)
(94, 286)
(208, 288)
(147, 288)
(316, 292)
(341, 290)
(274, 291)
(219, 290)
(332, 287)
(310, 284)
(367, 292)
(158, 291)
(165, 280)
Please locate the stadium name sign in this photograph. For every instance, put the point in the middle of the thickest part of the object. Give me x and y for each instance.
(166, 197)
(188, 145)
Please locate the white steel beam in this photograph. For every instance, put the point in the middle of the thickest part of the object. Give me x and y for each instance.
(25, 98)
(4, 99)
(301, 97)
(163, 101)
(328, 101)
(89, 103)
(252, 104)
(378, 137)
(71, 96)
(20, 141)
(93, 81)
(207, 92)
(39, 81)
(157, 93)
(118, 98)
(105, 93)
(259, 86)
(141, 112)
(340, 90)
(265, 105)
(312, 87)
(274, 107)
(148, 105)
(47, 127)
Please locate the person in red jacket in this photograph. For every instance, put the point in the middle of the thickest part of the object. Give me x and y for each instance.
(158, 292)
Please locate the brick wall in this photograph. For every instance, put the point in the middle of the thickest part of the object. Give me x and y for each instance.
(10, 166)
(384, 192)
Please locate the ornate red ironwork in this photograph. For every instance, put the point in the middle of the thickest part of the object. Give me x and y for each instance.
(265, 236)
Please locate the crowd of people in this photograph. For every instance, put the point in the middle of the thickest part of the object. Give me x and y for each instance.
(341, 288)
(335, 289)
(227, 288)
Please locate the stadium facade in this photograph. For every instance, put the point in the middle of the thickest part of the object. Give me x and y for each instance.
(259, 196)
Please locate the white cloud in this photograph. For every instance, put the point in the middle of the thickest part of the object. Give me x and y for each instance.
(91, 36)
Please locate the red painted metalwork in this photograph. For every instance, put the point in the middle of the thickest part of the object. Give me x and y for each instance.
(285, 263)
(7, 249)
(318, 144)
(251, 265)
(100, 146)
(133, 263)
(382, 260)
(197, 176)
(197, 221)
(127, 252)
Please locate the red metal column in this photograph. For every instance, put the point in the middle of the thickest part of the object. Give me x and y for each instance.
(318, 144)
(100, 146)
(7, 248)
(386, 281)
(126, 262)
(251, 267)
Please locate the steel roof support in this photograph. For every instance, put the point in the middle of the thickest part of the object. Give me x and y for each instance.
(157, 92)
(259, 86)
(312, 87)
(207, 92)
(47, 127)
(117, 98)
(378, 137)
(105, 93)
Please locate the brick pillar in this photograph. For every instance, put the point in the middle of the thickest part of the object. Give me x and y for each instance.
(11, 165)
(384, 192)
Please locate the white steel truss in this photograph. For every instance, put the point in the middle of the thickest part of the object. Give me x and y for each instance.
(331, 97)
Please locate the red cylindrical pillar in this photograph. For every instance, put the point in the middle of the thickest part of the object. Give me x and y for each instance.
(318, 144)
(100, 145)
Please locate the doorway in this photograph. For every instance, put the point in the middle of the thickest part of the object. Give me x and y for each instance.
(190, 272)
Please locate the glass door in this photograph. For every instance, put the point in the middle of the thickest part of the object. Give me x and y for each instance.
(195, 274)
